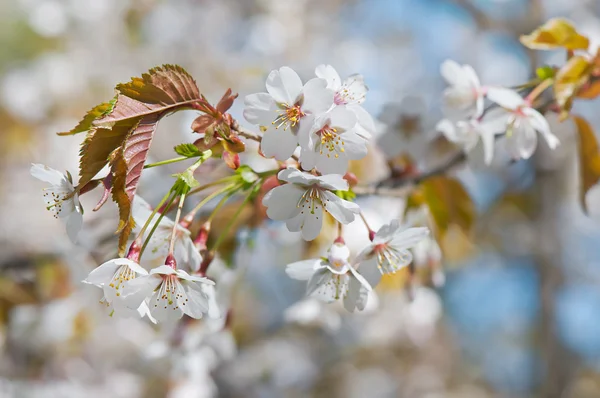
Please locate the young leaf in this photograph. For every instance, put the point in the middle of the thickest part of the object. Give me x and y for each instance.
(569, 79)
(95, 113)
(162, 90)
(556, 33)
(119, 194)
(97, 146)
(188, 150)
(589, 157)
(449, 204)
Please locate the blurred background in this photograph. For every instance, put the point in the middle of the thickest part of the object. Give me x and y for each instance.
(509, 310)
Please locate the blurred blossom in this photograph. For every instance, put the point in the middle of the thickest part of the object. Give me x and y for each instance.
(48, 18)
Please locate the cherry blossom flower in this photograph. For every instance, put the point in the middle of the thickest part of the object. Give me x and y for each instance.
(351, 93)
(465, 96)
(332, 278)
(61, 198)
(288, 109)
(520, 121)
(302, 201)
(467, 133)
(171, 293)
(112, 277)
(185, 252)
(332, 142)
(388, 252)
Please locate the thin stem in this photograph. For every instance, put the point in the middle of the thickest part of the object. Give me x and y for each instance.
(221, 203)
(154, 211)
(339, 230)
(156, 224)
(207, 199)
(176, 224)
(168, 161)
(536, 92)
(212, 184)
(232, 221)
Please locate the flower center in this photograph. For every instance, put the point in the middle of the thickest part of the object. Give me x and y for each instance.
(54, 199)
(331, 142)
(310, 200)
(390, 260)
(289, 116)
(123, 274)
(168, 293)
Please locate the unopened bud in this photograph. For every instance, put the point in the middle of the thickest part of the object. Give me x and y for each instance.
(202, 238)
(351, 178)
(206, 261)
(134, 250)
(171, 262)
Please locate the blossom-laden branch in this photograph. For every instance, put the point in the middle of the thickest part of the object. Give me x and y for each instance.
(321, 125)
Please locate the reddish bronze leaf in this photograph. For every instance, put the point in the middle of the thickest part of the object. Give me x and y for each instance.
(163, 89)
(95, 113)
(589, 158)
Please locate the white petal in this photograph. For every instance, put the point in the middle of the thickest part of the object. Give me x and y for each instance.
(539, 122)
(333, 181)
(353, 90)
(408, 238)
(278, 143)
(312, 222)
(523, 140)
(338, 252)
(308, 159)
(453, 73)
(317, 98)
(282, 202)
(370, 271)
(103, 273)
(355, 146)
(342, 210)
(293, 175)
(137, 290)
(191, 300)
(331, 165)
(284, 85)
(342, 118)
(259, 109)
(366, 125)
(495, 121)
(163, 270)
(302, 270)
(328, 73)
(361, 279)
(47, 174)
(181, 274)
(505, 97)
(387, 231)
(295, 224)
(357, 296)
(488, 140)
(74, 224)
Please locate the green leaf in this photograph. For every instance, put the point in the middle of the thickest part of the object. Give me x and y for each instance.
(556, 33)
(247, 174)
(188, 150)
(346, 195)
(589, 158)
(95, 113)
(185, 182)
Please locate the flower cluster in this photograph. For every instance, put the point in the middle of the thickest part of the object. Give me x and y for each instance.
(512, 115)
(334, 277)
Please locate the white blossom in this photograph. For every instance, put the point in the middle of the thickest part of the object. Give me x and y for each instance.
(332, 142)
(332, 278)
(112, 277)
(388, 252)
(465, 97)
(185, 252)
(302, 202)
(288, 109)
(520, 121)
(170, 293)
(351, 93)
(60, 198)
(467, 133)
